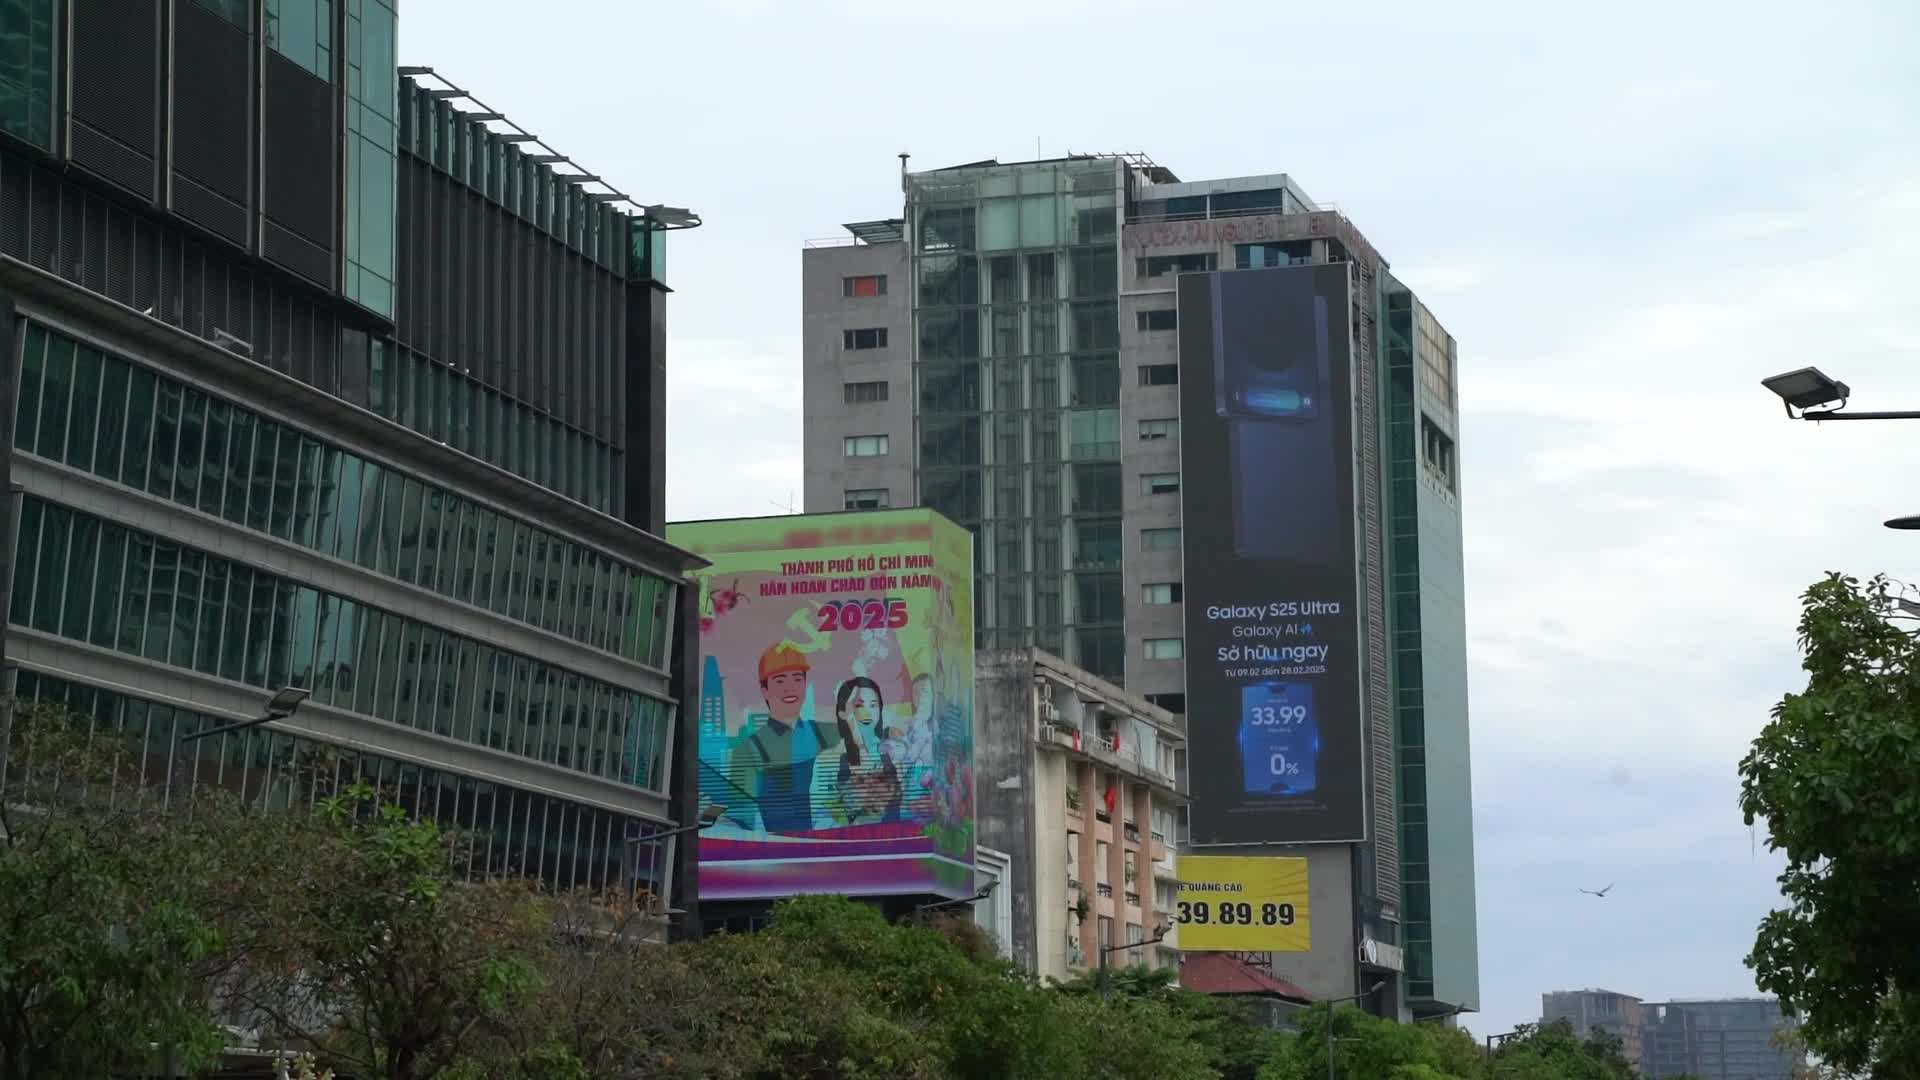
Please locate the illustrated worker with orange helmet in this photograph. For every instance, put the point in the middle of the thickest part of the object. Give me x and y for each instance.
(774, 760)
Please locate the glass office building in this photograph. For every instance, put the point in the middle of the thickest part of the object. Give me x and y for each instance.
(333, 378)
(1007, 351)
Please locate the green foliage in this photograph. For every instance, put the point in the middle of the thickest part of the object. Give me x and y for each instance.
(1553, 1052)
(1835, 777)
(349, 932)
(99, 946)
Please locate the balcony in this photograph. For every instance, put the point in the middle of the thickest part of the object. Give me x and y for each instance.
(1104, 890)
(1133, 899)
(1132, 832)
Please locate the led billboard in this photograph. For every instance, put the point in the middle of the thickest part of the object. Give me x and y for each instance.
(836, 704)
(1271, 581)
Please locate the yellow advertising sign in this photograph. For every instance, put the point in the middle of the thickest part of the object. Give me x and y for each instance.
(1230, 903)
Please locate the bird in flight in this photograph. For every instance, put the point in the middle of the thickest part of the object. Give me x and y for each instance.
(1600, 893)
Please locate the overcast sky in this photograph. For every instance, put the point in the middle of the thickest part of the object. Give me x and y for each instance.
(1627, 217)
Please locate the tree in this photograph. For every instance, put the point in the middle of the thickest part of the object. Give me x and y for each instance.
(1835, 777)
(100, 946)
(1554, 1052)
(372, 950)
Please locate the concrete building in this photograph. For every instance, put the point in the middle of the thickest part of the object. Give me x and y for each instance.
(1588, 1011)
(1077, 786)
(1720, 1039)
(329, 377)
(1005, 351)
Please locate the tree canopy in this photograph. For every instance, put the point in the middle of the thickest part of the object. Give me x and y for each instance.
(136, 930)
(1835, 779)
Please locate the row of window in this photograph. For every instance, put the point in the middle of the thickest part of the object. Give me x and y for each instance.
(1157, 319)
(514, 832)
(868, 499)
(128, 424)
(93, 581)
(468, 415)
(1159, 374)
(870, 338)
(864, 285)
(1093, 433)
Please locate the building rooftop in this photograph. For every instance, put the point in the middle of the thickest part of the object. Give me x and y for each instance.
(882, 231)
(1225, 973)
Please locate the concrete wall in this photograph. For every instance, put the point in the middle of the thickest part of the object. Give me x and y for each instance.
(827, 366)
(1330, 968)
(1003, 767)
(1443, 648)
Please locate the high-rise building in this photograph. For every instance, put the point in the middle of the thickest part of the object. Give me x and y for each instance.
(324, 375)
(1081, 796)
(1722, 1039)
(1008, 351)
(1588, 1011)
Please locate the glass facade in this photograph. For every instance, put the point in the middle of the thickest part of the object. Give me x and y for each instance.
(450, 407)
(27, 76)
(515, 832)
(94, 581)
(133, 426)
(372, 93)
(1016, 332)
(302, 31)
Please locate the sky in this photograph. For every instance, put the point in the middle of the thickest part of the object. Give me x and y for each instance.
(1627, 214)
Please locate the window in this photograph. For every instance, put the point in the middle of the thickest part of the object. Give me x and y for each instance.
(302, 31)
(866, 285)
(1159, 429)
(1159, 483)
(1160, 539)
(871, 338)
(1154, 266)
(1163, 648)
(1281, 253)
(1159, 374)
(866, 445)
(1162, 592)
(862, 393)
(1436, 451)
(1157, 319)
(869, 499)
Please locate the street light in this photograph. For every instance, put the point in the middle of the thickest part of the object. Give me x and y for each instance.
(1160, 934)
(1811, 391)
(280, 706)
(938, 905)
(1331, 1002)
(708, 819)
(1910, 521)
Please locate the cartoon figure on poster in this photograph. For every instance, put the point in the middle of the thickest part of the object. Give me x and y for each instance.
(791, 767)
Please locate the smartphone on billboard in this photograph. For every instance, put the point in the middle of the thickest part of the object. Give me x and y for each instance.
(1273, 382)
(1279, 739)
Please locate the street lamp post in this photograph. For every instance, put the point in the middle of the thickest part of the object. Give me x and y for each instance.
(1809, 394)
(941, 905)
(1331, 1002)
(280, 706)
(1106, 981)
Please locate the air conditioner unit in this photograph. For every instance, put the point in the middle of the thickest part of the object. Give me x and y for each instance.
(1049, 713)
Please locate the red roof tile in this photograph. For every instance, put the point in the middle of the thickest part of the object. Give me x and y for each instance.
(1223, 973)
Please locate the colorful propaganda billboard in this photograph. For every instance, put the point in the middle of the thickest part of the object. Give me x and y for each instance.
(836, 704)
(1236, 904)
(1272, 582)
